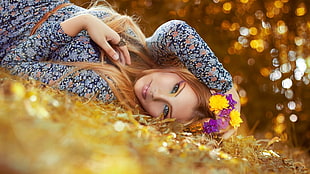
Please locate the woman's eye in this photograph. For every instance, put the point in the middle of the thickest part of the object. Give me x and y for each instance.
(175, 88)
(166, 111)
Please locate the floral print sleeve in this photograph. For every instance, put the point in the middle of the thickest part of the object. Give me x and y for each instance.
(177, 38)
(26, 60)
(39, 46)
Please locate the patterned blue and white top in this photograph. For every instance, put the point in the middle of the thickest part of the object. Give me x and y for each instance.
(23, 55)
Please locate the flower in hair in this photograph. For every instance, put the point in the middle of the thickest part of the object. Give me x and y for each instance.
(235, 118)
(222, 123)
(224, 113)
(223, 106)
(218, 102)
(210, 126)
(231, 101)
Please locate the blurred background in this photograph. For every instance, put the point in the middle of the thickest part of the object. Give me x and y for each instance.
(263, 43)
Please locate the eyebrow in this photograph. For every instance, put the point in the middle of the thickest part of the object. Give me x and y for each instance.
(179, 91)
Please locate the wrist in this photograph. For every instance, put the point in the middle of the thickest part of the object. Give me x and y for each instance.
(76, 24)
(86, 20)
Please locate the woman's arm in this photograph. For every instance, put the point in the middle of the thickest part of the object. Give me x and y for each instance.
(85, 83)
(102, 34)
(52, 36)
(39, 46)
(177, 38)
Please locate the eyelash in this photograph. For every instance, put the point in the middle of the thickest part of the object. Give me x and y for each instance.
(166, 111)
(175, 88)
(173, 91)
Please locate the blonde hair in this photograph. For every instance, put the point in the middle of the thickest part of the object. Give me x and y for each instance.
(122, 79)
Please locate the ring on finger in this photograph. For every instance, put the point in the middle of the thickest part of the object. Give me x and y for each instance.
(121, 43)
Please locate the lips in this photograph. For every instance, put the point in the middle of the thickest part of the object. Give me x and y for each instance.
(145, 89)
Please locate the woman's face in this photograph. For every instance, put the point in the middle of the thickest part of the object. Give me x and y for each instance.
(166, 93)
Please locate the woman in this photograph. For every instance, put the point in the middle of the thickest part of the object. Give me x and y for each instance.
(81, 51)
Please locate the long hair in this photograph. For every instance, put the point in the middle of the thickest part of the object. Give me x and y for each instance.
(121, 78)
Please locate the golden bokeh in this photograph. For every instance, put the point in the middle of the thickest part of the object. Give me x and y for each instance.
(227, 6)
(301, 10)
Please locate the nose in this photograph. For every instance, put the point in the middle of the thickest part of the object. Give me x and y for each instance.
(159, 95)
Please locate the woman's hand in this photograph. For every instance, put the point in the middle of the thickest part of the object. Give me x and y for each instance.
(99, 32)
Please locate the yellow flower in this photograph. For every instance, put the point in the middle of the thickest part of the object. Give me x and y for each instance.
(218, 102)
(235, 118)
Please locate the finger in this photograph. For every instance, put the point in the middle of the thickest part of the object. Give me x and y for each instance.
(125, 54)
(113, 38)
(122, 59)
(110, 51)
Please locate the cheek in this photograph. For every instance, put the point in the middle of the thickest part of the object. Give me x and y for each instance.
(154, 109)
(193, 97)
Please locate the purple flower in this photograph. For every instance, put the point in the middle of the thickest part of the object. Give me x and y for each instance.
(222, 123)
(210, 126)
(225, 113)
(231, 101)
